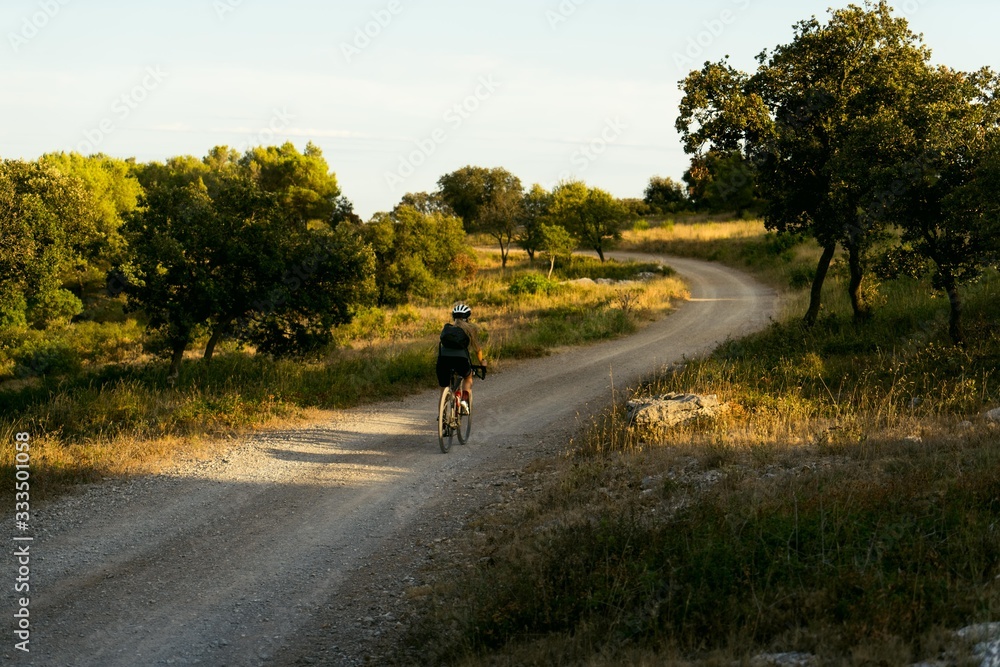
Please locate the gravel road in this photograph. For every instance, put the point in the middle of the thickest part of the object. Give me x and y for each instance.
(295, 546)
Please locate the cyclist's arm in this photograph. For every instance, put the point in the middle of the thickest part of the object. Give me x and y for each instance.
(475, 345)
(479, 351)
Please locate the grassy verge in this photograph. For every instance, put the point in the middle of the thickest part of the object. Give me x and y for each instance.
(784, 261)
(845, 506)
(98, 407)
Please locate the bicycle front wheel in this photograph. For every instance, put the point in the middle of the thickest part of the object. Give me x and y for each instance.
(465, 422)
(446, 419)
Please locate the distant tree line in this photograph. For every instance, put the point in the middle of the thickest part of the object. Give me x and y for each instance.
(849, 135)
(259, 247)
(494, 202)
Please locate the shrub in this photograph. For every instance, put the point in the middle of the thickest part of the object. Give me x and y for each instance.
(801, 276)
(772, 246)
(588, 267)
(465, 267)
(532, 283)
(46, 356)
(55, 306)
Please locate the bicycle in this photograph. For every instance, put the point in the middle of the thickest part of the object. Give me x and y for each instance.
(451, 421)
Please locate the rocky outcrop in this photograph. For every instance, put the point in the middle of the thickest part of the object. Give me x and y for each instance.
(661, 412)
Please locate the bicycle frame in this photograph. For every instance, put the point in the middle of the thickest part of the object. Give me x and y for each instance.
(451, 421)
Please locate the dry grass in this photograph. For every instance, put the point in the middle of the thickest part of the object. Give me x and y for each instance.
(701, 232)
(781, 260)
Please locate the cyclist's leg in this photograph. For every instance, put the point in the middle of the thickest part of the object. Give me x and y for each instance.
(443, 370)
(464, 368)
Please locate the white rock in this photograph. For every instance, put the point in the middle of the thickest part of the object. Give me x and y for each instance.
(987, 638)
(993, 415)
(980, 633)
(672, 409)
(989, 653)
(784, 660)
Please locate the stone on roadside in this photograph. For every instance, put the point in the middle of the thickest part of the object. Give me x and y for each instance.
(669, 410)
(986, 637)
(582, 282)
(993, 416)
(784, 660)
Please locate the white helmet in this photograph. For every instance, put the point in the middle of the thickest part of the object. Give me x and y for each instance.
(461, 312)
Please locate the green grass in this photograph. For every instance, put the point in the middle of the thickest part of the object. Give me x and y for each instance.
(839, 508)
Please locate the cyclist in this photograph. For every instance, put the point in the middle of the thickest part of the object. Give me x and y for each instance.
(459, 339)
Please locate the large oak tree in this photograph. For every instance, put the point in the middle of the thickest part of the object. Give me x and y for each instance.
(487, 200)
(592, 215)
(240, 246)
(941, 188)
(799, 120)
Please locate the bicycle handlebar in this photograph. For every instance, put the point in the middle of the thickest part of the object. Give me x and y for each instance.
(480, 372)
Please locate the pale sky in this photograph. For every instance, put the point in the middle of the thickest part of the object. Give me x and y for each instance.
(400, 92)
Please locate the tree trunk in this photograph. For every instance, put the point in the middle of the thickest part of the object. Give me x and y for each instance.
(600, 253)
(552, 266)
(217, 333)
(862, 311)
(817, 287)
(175, 360)
(955, 317)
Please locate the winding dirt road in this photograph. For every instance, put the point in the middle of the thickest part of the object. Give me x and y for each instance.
(292, 548)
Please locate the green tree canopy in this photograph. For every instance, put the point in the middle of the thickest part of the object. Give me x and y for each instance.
(470, 189)
(556, 243)
(47, 228)
(939, 189)
(235, 258)
(177, 171)
(535, 210)
(413, 251)
(721, 182)
(168, 273)
(592, 215)
(664, 195)
(798, 117)
(502, 218)
(426, 203)
(113, 192)
(303, 181)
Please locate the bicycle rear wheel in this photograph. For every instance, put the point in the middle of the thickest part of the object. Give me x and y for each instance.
(465, 422)
(446, 419)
